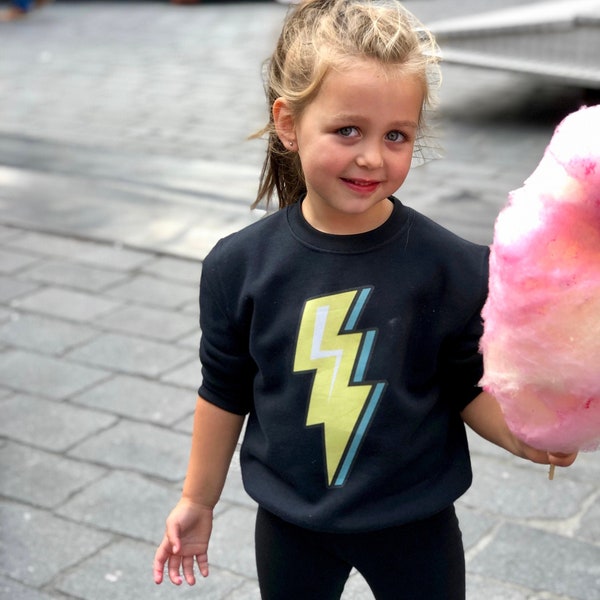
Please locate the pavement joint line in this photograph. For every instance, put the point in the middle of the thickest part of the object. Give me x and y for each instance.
(95, 239)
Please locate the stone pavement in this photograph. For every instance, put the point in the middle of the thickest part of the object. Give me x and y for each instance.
(120, 125)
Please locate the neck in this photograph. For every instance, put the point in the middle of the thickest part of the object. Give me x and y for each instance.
(347, 224)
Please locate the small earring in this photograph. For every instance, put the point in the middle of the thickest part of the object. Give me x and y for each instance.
(291, 144)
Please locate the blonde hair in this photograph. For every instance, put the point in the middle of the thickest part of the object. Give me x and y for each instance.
(319, 35)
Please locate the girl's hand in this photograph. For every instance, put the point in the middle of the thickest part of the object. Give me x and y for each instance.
(186, 539)
(544, 458)
(485, 417)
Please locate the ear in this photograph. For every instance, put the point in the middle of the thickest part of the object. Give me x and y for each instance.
(284, 123)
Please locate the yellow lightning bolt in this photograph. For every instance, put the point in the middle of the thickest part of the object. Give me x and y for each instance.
(324, 348)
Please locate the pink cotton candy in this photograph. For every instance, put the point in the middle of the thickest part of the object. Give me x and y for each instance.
(541, 341)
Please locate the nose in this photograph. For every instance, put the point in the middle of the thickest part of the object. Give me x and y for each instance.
(370, 155)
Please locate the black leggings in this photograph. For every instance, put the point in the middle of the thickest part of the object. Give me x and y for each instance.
(417, 561)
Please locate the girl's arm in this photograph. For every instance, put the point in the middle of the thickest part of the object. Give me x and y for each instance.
(189, 525)
(485, 417)
(214, 439)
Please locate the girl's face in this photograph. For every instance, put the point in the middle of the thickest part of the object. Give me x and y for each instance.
(355, 142)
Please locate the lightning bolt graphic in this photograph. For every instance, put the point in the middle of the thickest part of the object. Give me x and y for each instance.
(329, 345)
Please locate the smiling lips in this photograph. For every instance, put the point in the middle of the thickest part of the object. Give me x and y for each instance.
(361, 185)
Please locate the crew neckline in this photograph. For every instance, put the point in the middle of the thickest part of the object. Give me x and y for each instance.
(353, 243)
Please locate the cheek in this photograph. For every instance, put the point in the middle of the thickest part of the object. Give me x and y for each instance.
(324, 162)
(401, 164)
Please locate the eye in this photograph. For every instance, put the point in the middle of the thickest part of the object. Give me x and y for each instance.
(395, 136)
(348, 131)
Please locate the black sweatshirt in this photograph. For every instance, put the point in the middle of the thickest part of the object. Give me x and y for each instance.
(353, 356)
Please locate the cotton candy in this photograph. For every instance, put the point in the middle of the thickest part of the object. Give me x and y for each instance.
(541, 341)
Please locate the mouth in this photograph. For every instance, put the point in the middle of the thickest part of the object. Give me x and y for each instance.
(361, 185)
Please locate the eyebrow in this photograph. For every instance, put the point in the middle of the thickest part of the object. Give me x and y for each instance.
(352, 118)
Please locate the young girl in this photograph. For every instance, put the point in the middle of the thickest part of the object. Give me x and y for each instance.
(346, 326)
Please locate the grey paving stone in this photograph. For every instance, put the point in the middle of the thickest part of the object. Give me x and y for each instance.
(473, 524)
(123, 503)
(234, 492)
(9, 233)
(478, 445)
(154, 291)
(590, 523)
(46, 376)
(73, 275)
(524, 491)
(192, 340)
(185, 271)
(541, 561)
(140, 447)
(11, 590)
(248, 591)
(44, 334)
(35, 546)
(50, 245)
(135, 215)
(140, 399)
(128, 354)
(11, 261)
(481, 588)
(12, 288)
(585, 468)
(67, 304)
(48, 424)
(111, 256)
(192, 307)
(41, 478)
(114, 256)
(7, 314)
(141, 120)
(149, 322)
(234, 529)
(185, 425)
(123, 571)
(188, 375)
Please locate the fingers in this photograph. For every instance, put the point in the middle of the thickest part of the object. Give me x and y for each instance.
(188, 569)
(176, 564)
(158, 573)
(562, 460)
(534, 455)
(173, 535)
(558, 459)
(174, 567)
(202, 560)
(160, 558)
(172, 545)
(165, 555)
